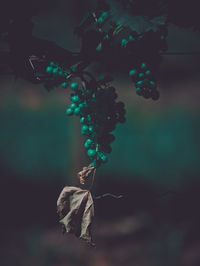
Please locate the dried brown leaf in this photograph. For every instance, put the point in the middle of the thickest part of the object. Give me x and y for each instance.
(75, 208)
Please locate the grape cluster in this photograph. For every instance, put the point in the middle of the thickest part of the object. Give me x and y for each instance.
(99, 113)
(144, 81)
(57, 75)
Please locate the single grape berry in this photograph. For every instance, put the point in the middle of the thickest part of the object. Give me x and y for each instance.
(139, 83)
(148, 72)
(141, 75)
(52, 64)
(85, 128)
(91, 153)
(77, 111)
(152, 84)
(55, 71)
(82, 120)
(138, 91)
(124, 43)
(100, 21)
(104, 158)
(132, 72)
(69, 111)
(74, 86)
(49, 69)
(143, 65)
(131, 38)
(75, 99)
(104, 15)
(73, 106)
(88, 143)
(64, 85)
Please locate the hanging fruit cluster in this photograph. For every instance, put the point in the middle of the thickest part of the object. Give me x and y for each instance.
(95, 103)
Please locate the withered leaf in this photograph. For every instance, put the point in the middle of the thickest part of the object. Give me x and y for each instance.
(75, 208)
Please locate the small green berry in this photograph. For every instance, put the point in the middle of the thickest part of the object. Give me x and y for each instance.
(141, 75)
(49, 69)
(139, 83)
(104, 158)
(64, 85)
(100, 20)
(99, 47)
(60, 73)
(52, 64)
(124, 43)
(77, 111)
(104, 15)
(82, 120)
(69, 111)
(132, 72)
(143, 65)
(148, 72)
(152, 83)
(75, 99)
(73, 106)
(74, 86)
(55, 71)
(91, 153)
(85, 128)
(91, 128)
(131, 38)
(138, 91)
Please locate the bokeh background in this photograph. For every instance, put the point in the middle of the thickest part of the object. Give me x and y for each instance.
(154, 163)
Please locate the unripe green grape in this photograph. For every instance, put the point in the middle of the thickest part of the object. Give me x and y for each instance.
(55, 71)
(74, 69)
(124, 43)
(84, 133)
(89, 118)
(73, 106)
(69, 111)
(83, 105)
(49, 69)
(148, 72)
(99, 47)
(87, 146)
(139, 83)
(132, 72)
(104, 15)
(131, 38)
(143, 65)
(92, 152)
(75, 99)
(64, 85)
(74, 86)
(138, 91)
(52, 64)
(77, 111)
(104, 158)
(152, 84)
(100, 20)
(88, 143)
(85, 128)
(91, 128)
(141, 75)
(60, 73)
(82, 120)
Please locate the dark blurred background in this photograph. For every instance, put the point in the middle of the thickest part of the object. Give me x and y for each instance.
(154, 163)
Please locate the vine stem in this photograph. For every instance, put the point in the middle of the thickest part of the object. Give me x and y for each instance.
(93, 176)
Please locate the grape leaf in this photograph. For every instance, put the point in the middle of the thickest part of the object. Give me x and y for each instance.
(75, 208)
